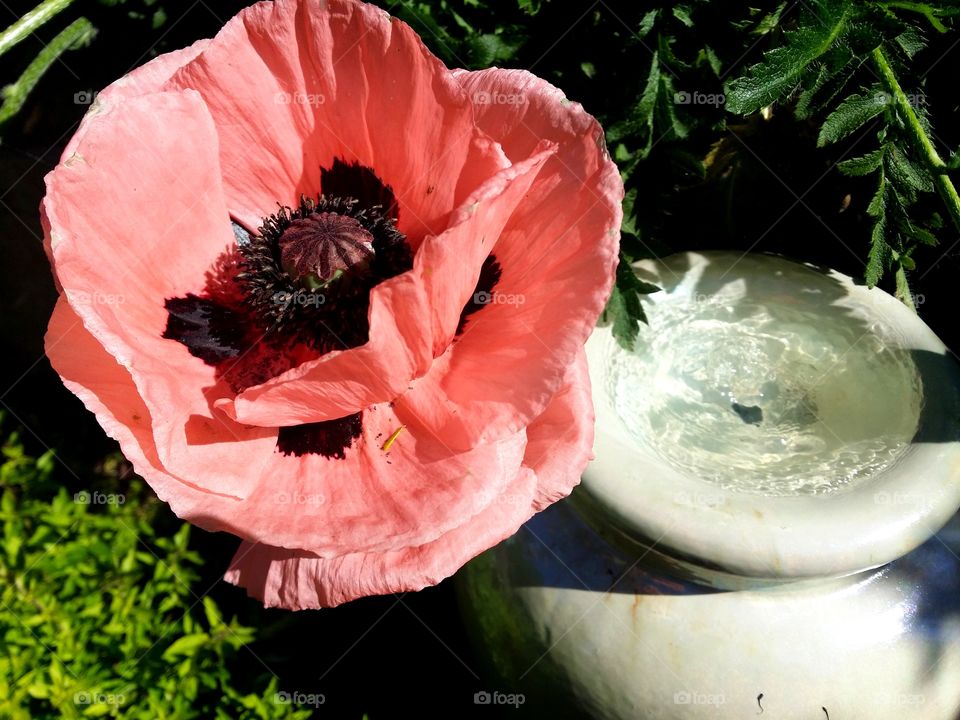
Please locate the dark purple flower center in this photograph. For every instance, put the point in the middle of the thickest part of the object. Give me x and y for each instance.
(319, 249)
(299, 287)
(308, 271)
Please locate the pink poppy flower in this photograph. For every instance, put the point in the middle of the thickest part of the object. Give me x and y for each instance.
(331, 297)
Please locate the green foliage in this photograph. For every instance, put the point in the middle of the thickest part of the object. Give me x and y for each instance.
(672, 79)
(783, 67)
(816, 63)
(623, 308)
(664, 115)
(76, 35)
(444, 25)
(97, 614)
(674, 83)
(79, 33)
(852, 114)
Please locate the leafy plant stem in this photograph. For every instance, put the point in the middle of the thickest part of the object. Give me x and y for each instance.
(77, 33)
(922, 8)
(34, 19)
(919, 135)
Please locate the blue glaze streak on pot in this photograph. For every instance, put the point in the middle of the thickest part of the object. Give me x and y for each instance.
(585, 629)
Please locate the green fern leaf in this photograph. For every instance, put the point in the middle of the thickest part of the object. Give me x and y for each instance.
(852, 114)
(863, 165)
(624, 309)
(781, 68)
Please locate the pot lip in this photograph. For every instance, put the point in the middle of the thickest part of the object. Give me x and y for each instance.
(862, 526)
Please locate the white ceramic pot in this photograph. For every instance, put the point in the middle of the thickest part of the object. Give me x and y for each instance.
(775, 461)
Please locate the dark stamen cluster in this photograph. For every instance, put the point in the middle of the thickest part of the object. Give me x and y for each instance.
(331, 315)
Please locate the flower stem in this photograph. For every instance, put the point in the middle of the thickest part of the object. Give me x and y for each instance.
(919, 135)
(30, 22)
(76, 34)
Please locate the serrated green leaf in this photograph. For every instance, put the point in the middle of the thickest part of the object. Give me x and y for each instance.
(853, 113)
(646, 23)
(829, 78)
(902, 292)
(911, 42)
(879, 255)
(682, 13)
(712, 60)
(769, 21)
(781, 68)
(642, 115)
(878, 202)
(863, 165)
(530, 7)
(666, 111)
(489, 49)
(624, 309)
(907, 173)
(923, 236)
(626, 326)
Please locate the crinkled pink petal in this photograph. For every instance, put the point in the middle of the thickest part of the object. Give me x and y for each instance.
(133, 223)
(143, 80)
(500, 425)
(519, 110)
(445, 269)
(558, 253)
(342, 382)
(107, 390)
(560, 440)
(152, 76)
(374, 500)
(315, 80)
(559, 443)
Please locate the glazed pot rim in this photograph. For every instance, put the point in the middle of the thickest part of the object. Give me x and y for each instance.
(871, 522)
